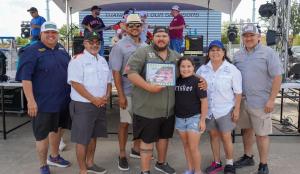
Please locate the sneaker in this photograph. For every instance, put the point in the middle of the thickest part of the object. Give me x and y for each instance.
(45, 169)
(123, 164)
(244, 161)
(135, 154)
(57, 161)
(164, 168)
(62, 145)
(214, 168)
(263, 169)
(147, 172)
(189, 172)
(96, 169)
(229, 169)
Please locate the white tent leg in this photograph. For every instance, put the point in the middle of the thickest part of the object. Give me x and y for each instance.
(68, 23)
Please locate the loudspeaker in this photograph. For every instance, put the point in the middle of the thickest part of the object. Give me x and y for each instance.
(78, 45)
(198, 61)
(3, 76)
(193, 45)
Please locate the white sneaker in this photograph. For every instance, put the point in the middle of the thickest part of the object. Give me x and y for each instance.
(62, 145)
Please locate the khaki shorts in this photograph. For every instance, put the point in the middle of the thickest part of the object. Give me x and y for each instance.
(126, 114)
(257, 119)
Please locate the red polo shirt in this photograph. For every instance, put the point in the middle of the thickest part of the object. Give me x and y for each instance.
(177, 21)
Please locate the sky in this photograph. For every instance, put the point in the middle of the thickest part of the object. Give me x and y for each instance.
(14, 11)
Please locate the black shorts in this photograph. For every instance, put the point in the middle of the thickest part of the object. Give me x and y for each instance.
(44, 123)
(151, 130)
(65, 120)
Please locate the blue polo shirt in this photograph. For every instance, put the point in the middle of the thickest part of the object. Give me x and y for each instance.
(47, 69)
(39, 20)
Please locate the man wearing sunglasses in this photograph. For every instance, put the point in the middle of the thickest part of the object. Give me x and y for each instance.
(90, 79)
(118, 58)
(35, 24)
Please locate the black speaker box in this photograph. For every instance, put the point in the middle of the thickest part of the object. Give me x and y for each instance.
(78, 45)
(193, 45)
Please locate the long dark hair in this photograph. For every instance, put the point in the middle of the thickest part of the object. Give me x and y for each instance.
(224, 58)
(188, 58)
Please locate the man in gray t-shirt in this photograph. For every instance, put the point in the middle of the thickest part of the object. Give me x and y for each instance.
(261, 72)
(118, 58)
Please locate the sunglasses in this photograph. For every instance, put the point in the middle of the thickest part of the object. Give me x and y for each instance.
(93, 43)
(134, 25)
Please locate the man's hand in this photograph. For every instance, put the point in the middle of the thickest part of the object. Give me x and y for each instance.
(122, 102)
(99, 101)
(202, 84)
(269, 107)
(155, 88)
(32, 108)
(235, 115)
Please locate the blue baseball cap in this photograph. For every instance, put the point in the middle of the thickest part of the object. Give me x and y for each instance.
(216, 43)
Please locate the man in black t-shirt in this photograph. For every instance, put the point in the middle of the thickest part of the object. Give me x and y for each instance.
(94, 23)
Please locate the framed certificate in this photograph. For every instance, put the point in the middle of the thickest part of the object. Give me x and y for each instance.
(162, 74)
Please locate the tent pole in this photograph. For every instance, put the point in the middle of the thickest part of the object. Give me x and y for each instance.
(68, 22)
(230, 22)
(207, 23)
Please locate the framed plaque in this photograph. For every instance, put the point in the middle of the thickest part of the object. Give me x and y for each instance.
(162, 74)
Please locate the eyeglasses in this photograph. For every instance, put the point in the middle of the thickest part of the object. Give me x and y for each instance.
(93, 43)
(131, 25)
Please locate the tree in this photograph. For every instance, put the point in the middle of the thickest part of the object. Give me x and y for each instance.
(73, 31)
(295, 18)
(22, 41)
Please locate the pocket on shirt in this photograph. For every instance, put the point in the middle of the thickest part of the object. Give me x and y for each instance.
(224, 82)
(90, 76)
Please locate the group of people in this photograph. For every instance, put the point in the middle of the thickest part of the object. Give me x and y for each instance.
(221, 95)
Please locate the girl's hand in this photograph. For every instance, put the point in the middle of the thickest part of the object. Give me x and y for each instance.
(202, 126)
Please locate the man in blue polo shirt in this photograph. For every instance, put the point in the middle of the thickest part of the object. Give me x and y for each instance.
(43, 72)
(35, 24)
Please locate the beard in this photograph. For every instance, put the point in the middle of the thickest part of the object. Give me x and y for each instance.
(157, 48)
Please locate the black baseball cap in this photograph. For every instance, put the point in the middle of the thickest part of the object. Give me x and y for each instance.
(32, 9)
(160, 29)
(91, 36)
(95, 7)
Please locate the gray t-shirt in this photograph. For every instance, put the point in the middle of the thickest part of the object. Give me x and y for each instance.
(119, 56)
(258, 69)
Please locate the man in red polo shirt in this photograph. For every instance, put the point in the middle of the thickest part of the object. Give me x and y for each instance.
(176, 29)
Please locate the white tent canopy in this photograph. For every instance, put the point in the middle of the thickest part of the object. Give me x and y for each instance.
(225, 6)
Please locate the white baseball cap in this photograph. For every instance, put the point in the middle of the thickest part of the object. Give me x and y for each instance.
(49, 26)
(175, 7)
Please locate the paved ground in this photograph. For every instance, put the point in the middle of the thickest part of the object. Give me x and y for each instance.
(17, 153)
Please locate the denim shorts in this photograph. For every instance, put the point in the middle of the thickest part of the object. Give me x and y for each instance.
(188, 124)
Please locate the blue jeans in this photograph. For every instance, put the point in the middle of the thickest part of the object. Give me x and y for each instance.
(101, 51)
(175, 44)
(188, 124)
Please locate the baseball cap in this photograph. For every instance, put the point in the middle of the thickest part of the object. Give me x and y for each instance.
(250, 28)
(133, 18)
(216, 43)
(32, 9)
(47, 26)
(160, 29)
(91, 36)
(95, 7)
(175, 7)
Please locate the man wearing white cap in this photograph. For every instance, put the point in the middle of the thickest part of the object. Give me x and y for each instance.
(43, 72)
(261, 73)
(176, 29)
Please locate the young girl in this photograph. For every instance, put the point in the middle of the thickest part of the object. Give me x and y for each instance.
(190, 101)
